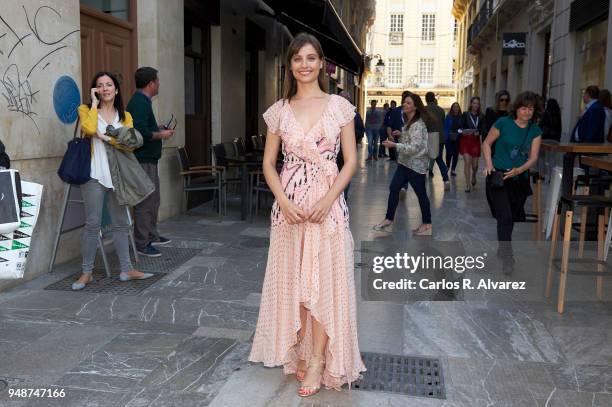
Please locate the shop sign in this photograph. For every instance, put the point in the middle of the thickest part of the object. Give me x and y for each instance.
(514, 43)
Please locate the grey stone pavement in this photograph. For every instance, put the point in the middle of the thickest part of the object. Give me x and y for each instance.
(184, 341)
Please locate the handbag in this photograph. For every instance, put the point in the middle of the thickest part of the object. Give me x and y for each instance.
(75, 168)
(496, 180)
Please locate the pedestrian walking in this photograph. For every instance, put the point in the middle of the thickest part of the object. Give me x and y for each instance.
(436, 113)
(502, 104)
(452, 124)
(396, 123)
(412, 163)
(146, 213)
(469, 143)
(382, 151)
(106, 109)
(518, 141)
(590, 125)
(307, 318)
(373, 123)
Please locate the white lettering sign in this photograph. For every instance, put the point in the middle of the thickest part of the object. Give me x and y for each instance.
(514, 44)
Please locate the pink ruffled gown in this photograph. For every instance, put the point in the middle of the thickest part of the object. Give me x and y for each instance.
(309, 263)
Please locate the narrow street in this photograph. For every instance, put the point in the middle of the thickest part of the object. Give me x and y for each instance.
(184, 340)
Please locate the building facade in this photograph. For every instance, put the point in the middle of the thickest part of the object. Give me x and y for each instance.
(564, 48)
(220, 66)
(416, 42)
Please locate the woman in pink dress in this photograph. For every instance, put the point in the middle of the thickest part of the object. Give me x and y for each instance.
(307, 318)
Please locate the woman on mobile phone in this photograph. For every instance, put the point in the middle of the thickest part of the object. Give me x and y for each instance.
(517, 143)
(106, 109)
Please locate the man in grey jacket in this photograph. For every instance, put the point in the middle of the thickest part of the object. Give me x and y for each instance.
(437, 115)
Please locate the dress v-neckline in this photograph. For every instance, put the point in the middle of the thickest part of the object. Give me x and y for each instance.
(316, 122)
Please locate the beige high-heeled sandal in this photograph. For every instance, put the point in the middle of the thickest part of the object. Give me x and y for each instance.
(316, 364)
(300, 372)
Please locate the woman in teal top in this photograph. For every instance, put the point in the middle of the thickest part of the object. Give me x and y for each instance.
(517, 143)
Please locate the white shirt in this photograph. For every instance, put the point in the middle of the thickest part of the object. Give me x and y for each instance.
(99, 161)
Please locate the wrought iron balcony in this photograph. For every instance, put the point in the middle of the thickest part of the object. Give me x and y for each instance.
(481, 20)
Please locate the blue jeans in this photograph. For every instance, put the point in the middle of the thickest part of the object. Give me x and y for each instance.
(402, 176)
(93, 194)
(441, 165)
(452, 154)
(372, 142)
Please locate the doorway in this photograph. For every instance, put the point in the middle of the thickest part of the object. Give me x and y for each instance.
(109, 43)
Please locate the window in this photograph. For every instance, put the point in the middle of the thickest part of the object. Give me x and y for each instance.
(394, 71)
(454, 71)
(428, 27)
(426, 71)
(397, 23)
(115, 8)
(455, 30)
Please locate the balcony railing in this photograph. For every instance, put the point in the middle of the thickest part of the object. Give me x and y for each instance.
(396, 37)
(481, 20)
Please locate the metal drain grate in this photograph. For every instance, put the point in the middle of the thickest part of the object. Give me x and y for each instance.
(105, 285)
(172, 258)
(414, 376)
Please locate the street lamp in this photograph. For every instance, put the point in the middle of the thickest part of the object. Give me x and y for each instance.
(379, 69)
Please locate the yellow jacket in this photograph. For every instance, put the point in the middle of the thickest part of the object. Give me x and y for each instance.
(89, 125)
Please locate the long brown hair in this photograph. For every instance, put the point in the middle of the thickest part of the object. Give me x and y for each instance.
(420, 113)
(296, 44)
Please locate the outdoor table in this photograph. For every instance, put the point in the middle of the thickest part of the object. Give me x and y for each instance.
(245, 163)
(601, 162)
(571, 150)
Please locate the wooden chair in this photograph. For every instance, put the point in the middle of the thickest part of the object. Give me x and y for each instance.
(202, 178)
(574, 202)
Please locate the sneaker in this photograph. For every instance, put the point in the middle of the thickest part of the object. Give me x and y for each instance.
(369, 159)
(402, 194)
(149, 251)
(447, 185)
(162, 241)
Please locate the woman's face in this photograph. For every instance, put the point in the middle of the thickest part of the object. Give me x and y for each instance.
(106, 88)
(408, 105)
(503, 101)
(524, 113)
(306, 64)
(455, 109)
(475, 105)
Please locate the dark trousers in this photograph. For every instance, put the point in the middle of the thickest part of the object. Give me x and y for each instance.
(452, 154)
(401, 176)
(440, 161)
(146, 212)
(382, 151)
(507, 204)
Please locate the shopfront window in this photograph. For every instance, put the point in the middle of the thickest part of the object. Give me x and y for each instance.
(591, 55)
(116, 8)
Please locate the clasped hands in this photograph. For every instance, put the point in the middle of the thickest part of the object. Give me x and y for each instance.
(294, 214)
(508, 174)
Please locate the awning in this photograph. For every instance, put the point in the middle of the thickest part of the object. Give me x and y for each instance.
(318, 17)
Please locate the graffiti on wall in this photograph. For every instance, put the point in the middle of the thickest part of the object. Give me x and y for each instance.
(28, 35)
